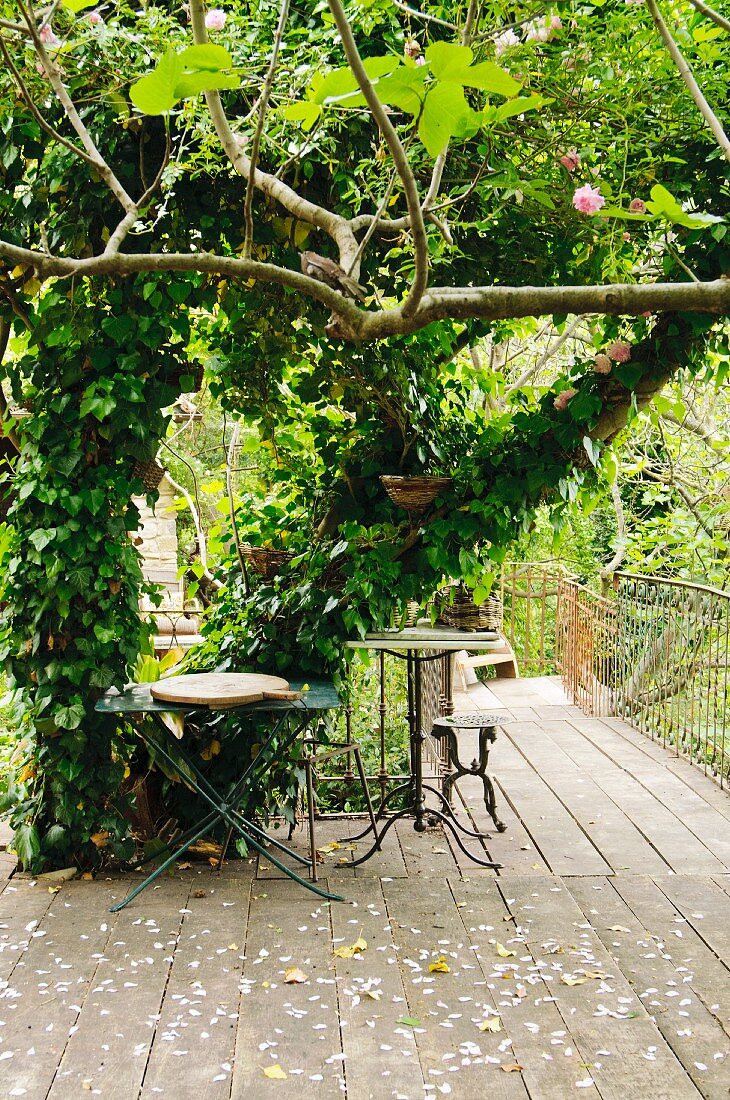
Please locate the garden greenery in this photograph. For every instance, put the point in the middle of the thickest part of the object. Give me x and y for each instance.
(157, 189)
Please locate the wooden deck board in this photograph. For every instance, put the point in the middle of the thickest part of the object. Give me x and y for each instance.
(605, 831)
(679, 980)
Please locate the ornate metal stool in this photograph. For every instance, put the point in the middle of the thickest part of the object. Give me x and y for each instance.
(444, 730)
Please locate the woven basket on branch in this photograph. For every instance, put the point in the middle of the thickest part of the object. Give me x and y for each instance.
(456, 608)
(150, 473)
(415, 493)
(269, 563)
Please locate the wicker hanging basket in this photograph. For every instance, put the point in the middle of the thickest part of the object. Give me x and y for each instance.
(269, 563)
(150, 473)
(456, 608)
(414, 493)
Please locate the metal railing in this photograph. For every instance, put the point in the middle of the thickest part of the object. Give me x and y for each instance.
(530, 593)
(655, 653)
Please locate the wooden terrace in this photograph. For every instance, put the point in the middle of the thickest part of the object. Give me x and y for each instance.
(594, 963)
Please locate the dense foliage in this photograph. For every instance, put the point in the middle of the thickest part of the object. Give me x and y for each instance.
(601, 110)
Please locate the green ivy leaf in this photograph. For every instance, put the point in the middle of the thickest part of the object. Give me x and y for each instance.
(305, 113)
(26, 845)
(154, 94)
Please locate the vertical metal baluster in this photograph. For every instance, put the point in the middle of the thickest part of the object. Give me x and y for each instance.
(382, 710)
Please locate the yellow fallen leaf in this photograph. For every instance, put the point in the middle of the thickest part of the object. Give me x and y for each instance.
(504, 952)
(100, 839)
(233, 947)
(294, 976)
(275, 1073)
(211, 750)
(376, 994)
(493, 1023)
(566, 979)
(600, 974)
(513, 1067)
(440, 966)
(347, 952)
(618, 928)
(265, 985)
(327, 848)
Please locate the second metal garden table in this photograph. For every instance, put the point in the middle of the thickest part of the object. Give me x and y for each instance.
(419, 646)
(288, 717)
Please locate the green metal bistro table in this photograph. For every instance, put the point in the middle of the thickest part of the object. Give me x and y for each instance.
(289, 717)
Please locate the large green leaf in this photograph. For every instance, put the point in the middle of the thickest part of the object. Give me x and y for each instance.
(664, 204)
(154, 94)
(448, 61)
(490, 78)
(195, 83)
(78, 5)
(209, 57)
(307, 113)
(341, 84)
(444, 112)
(403, 89)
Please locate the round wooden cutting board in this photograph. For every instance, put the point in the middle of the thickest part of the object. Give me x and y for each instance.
(222, 689)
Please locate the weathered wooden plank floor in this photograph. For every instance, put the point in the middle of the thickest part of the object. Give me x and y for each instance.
(594, 962)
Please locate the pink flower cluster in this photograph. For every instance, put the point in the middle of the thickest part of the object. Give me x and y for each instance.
(588, 200)
(570, 160)
(215, 19)
(507, 40)
(542, 30)
(561, 401)
(619, 351)
(47, 37)
(601, 364)
(95, 18)
(637, 206)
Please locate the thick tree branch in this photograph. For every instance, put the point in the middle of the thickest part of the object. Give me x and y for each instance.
(711, 119)
(441, 303)
(400, 159)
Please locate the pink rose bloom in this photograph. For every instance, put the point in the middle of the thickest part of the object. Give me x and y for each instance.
(619, 351)
(602, 364)
(556, 23)
(215, 19)
(588, 200)
(94, 18)
(627, 236)
(561, 401)
(570, 160)
(646, 313)
(637, 206)
(412, 48)
(47, 37)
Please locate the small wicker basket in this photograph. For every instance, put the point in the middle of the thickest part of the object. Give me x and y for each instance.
(414, 493)
(150, 473)
(269, 563)
(456, 608)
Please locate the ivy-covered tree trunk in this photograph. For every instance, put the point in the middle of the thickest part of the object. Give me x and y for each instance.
(72, 576)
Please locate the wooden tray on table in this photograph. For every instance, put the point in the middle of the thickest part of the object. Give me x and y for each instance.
(219, 690)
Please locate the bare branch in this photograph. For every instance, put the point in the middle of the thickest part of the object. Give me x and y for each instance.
(336, 227)
(711, 14)
(423, 15)
(711, 119)
(549, 352)
(400, 159)
(121, 231)
(610, 567)
(256, 143)
(35, 111)
(54, 77)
